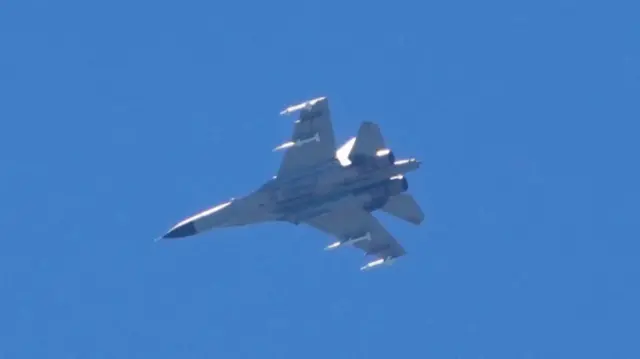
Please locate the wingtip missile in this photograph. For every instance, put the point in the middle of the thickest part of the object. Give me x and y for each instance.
(300, 106)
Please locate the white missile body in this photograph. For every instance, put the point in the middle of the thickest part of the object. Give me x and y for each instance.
(300, 106)
(350, 241)
(378, 262)
(298, 143)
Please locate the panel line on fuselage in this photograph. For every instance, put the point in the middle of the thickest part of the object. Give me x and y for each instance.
(310, 201)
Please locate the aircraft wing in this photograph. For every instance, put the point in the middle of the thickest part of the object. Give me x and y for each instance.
(312, 141)
(348, 222)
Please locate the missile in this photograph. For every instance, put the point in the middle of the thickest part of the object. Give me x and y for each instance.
(298, 143)
(300, 106)
(378, 262)
(350, 241)
(284, 146)
(405, 166)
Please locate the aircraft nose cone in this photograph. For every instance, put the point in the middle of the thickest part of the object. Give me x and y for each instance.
(185, 230)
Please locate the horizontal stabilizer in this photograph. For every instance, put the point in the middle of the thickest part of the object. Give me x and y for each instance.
(368, 141)
(404, 207)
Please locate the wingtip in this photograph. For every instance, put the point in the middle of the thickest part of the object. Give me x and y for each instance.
(308, 103)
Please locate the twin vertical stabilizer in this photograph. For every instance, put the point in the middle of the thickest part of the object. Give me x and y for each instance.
(368, 141)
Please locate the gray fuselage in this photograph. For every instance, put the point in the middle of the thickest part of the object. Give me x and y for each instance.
(313, 192)
(323, 188)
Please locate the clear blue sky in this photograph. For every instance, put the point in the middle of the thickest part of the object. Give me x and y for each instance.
(120, 118)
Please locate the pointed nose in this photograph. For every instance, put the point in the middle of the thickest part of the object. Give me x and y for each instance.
(183, 230)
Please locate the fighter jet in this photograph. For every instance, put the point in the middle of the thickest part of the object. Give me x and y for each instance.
(332, 190)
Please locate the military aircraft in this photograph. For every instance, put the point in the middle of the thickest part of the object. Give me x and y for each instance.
(334, 191)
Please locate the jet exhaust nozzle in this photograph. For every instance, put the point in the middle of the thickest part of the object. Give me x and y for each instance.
(397, 185)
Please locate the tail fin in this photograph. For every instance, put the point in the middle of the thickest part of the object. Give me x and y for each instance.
(404, 207)
(368, 141)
